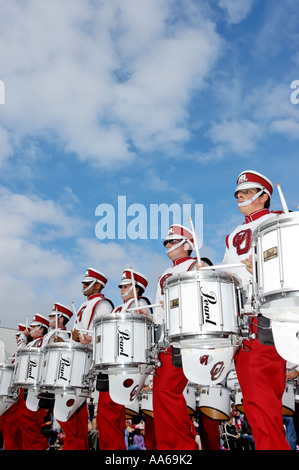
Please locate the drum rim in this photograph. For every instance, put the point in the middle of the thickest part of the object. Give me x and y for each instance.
(273, 295)
(86, 348)
(28, 351)
(201, 275)
(278, 220)
(4, 365)
(114, 317)
(113, 365)
(190, 335)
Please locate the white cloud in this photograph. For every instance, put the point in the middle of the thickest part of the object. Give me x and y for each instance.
(236, 10)
(239, 136)
(102, 76)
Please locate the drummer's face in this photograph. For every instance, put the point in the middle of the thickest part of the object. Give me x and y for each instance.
(125, 288)
(34, 332)
(256, 205)
(178, 252)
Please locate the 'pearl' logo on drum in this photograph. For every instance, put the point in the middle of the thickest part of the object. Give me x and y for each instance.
(122, 337)
(31, 366)
(208, 299)
(64, 364)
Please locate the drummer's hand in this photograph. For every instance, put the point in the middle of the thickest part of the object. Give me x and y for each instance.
(291, 375)
(200, 265)
(57, 339)
(143, 311)
(76, 336)
(162, 303)
(248, 264)
(85, 339)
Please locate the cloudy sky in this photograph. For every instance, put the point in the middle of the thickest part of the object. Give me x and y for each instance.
(146, 102)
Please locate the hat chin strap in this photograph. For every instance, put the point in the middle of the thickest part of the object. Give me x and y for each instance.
(176, 246)
(249, 201)
(127, 292)
(89, 286)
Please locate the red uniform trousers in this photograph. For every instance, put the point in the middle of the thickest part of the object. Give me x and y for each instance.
(30, 423)
(149, 434)
(173, 427)
(111, 422)
(12, 436)
(262, 377)
(76, 430)
(209, 433)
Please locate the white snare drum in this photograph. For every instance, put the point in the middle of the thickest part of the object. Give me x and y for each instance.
(147, 403)
(123, 341)
(201, 304)
(202, 315)
(276, 287)
(214, 402)
(27, 368)
(7, 398)
(65, 368)
(288, 399)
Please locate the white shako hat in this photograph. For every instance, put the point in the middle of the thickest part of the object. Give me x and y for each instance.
(96, 276)
(129, 274)
(21, 328)
(252, 179)
(40, 320)
(61, 310)
(179, 232)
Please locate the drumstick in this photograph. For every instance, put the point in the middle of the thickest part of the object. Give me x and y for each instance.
(134, 287)
(195, 242)
(144, 306)
(282, 199)
(224, 266)
(74, 310)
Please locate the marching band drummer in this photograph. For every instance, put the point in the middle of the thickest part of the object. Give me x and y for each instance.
(58, 319)
(96, 304)
(111, 416)
(30, 422)
(261, 371)
(171, 418)
(12, 438)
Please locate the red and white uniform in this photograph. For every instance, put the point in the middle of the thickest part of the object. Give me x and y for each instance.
(261, 371)
(95, 306)
(171, 418)
(111, 416)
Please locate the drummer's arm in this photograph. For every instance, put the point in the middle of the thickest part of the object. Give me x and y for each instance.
(248, 264)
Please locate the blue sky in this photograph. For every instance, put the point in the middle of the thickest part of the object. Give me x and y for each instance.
(163, 102)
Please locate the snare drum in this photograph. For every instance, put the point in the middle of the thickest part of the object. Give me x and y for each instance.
(201, 304)
(276, 287)
(65, 368)
(27, 368)
(123, 341)
(202, 315)
(7, 398)
(214, 402)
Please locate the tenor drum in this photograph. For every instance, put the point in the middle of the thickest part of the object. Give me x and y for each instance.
(27, 368)
(7, 398)
(288, 399)
(190, 397)
(276, 287)
(147, 403)
(123, 341)
(66, 368)
(214, 402)
(133, 408)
